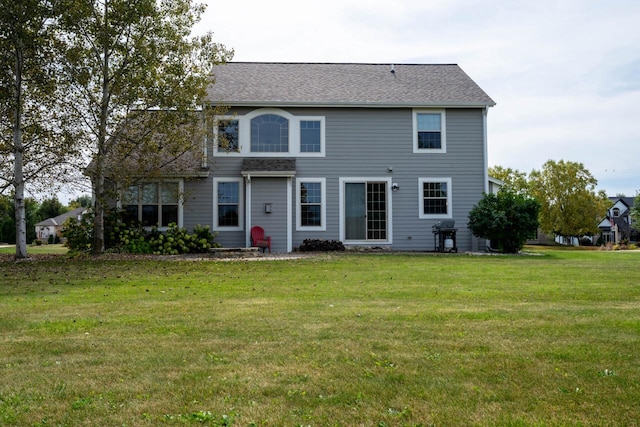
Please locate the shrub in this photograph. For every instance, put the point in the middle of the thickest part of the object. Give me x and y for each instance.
(177, 240)
(37, 242)
(585, 241)
(78, 233)
(507, 219)
(125, 236)
(311, 245)
(53, 239)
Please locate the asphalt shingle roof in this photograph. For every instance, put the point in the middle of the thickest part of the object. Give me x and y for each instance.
(60, 219)
(330, 84)
(268, 164)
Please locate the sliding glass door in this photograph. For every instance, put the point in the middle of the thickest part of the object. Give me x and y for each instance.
(365, 210)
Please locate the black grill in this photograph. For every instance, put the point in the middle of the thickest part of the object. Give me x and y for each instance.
(444, 236)
(446, 224)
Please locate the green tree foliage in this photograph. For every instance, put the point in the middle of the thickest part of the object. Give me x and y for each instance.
(570, 204)
(635, 209)
(513, 178)
(50, 208)
(7, 220)
(123, 59)
(80, 201)
(507, 219)
(35, 142)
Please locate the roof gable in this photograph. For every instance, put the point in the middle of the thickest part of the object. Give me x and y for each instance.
(60, 219)
(326, 84)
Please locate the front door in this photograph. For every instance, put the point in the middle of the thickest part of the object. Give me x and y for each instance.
(365, 211)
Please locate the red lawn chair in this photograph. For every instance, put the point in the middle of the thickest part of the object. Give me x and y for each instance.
(258, 239)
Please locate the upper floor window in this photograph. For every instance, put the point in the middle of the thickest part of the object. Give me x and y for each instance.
(153, 203)
(429, 131)
(310, 136)
(228, 135)
(269, 134)
(435, 197)
(616, 212)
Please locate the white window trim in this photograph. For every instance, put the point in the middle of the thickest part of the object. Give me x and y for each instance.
(443, 131)
(180, 182)
(244, 134)
(323, 206)
(216, 130)
(421, 214)
(297, 121)
(240, 225)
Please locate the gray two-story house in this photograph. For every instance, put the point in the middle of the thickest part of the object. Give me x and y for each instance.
(372, 155)
(368, 154)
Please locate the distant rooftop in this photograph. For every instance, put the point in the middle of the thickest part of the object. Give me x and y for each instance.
(60, 219)
(334, 84)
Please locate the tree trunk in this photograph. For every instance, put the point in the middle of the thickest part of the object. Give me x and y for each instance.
(18, 152)
(98, 175)
(98, 209)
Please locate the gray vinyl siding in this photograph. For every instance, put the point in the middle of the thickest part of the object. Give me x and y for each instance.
(274, 192)
(366, 143)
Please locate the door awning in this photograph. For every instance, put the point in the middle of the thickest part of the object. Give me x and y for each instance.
(268, 167)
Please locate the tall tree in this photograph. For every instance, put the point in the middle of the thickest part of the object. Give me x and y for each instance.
(34, 138)
(50, 208)
(80, 201)
(514, 179)
(125, 58)
(570, 204)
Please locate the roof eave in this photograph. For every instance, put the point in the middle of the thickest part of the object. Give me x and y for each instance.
(290, 104)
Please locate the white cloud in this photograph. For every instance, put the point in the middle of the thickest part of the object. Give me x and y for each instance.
(565, 74)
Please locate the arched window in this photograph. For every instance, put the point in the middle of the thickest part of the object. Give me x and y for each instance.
(269, 134)
(616, 212)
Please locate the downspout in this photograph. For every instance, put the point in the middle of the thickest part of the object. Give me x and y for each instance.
(205, 153)
(485, 111)
(247, 213)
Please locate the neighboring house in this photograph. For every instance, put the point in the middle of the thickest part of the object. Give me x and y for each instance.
(618, 224)
(52, 226)
(372, 155)
(495, 185)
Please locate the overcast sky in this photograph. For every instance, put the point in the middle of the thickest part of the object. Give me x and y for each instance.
(565, 74)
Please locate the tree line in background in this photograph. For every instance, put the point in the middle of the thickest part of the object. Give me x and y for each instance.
(35, 212)
(77, 79)
(560, 198)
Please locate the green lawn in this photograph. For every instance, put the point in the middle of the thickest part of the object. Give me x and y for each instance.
(372, 340)
(35, 249)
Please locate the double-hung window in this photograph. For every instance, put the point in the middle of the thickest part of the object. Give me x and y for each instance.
(227, 203)
(228, 135)
(434, 195)
(310, 136)
(311, 210)
(153, 203)
(429, 131)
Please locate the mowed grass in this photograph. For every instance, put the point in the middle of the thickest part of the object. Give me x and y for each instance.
(35, 249)
(342, 340)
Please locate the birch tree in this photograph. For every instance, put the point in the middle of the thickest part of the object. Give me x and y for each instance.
(34, 138)
(123, 59)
